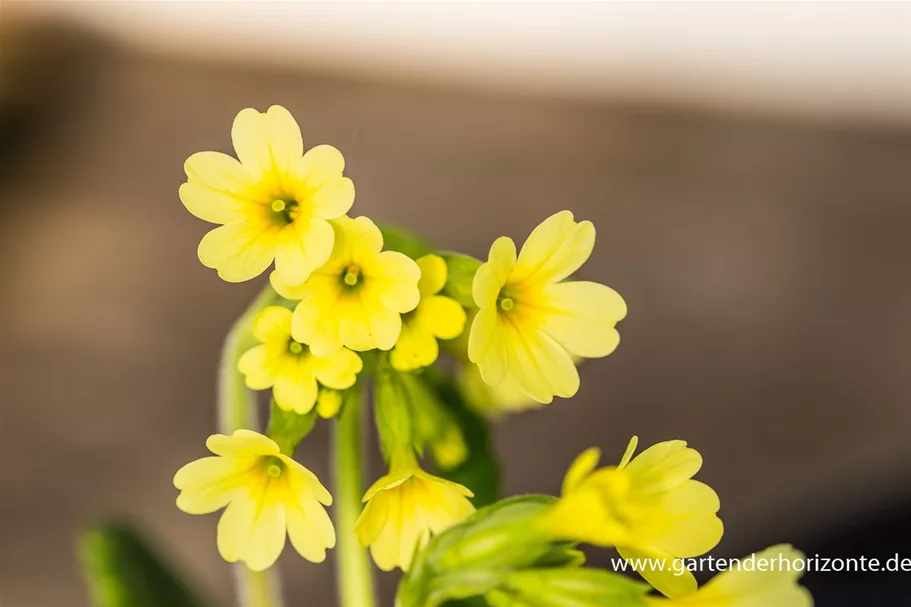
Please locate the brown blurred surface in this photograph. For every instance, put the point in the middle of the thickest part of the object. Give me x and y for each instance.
(764, 262)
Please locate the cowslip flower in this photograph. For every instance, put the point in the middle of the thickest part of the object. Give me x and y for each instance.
(288, 367)
(530, 321)
(648, 507)
(435, 317)
(405, 509)
(740, 587)
(273, 203)
(267, 495)
(357, 298)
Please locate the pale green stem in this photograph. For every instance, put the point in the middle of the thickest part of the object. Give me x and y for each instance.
(355, 575)
(236, 411)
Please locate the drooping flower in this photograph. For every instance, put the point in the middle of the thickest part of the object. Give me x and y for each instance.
(776, 585)
(289, 368)
(405, 509)
(648, 508)
(436, 317)
(531, 322)
(267, 494)
(357, 298)
(273, 203)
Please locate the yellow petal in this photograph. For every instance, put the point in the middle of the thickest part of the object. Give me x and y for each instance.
(628, 454)
(371, 521)
(267, 143)
(222, 173)
(267, 537)
(581, 467)
(302, 247)
(356, 239)
(487, 347)
(385, 327)
(338, 371)
(310, 529)
(257, 366)
(208, 484)
(443, 316)
(328, 403)
(215, 206)
(554, 250)
(333, 198)
(745, 588)
(415, 348)
(664, 466)
(239, 251)
(242, 443)
(287, 290)
(540, 367)
(235, 527)
(273, 324)
(581, 317)
(316, 320)
(303, 484)
(668, 582)
(396, 277)
(492, 275)
(433, 274)
(295, 387)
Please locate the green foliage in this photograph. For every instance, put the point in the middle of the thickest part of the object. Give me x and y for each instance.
(480, 470)
(403, 241)
(122, 570)
(288, 429)
(460, 277)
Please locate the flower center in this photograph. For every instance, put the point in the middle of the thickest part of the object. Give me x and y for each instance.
(352, 275)
(285, 211)
(295, 347)
(274, 466)
(506, 303)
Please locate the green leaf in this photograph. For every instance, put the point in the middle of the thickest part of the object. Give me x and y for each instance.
(460, 273)
(480, 471)
(288, 429)
(122, 570)
(403, 241)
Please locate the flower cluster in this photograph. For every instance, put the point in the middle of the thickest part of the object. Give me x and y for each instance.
(349, 302)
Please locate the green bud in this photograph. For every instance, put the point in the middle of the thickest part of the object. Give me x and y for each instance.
(460, 276)
(470, 558)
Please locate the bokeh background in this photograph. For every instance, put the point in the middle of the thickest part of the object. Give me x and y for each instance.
(748, 168)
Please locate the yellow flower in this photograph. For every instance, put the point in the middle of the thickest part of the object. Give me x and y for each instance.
(404, 509)
(742, 587)
(289, 368)
(531, 322)
(436, 317)
(274, 202)
(647, 508)
(355, 300)
(266, 493)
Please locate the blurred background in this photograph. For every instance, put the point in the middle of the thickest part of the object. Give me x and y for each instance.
(746, 166)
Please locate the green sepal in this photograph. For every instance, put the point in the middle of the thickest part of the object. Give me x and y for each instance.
(480, 470)
(471, 558)
(568, 588)
(122, 570)
(460, 272)
(405, 242)
(288, 429)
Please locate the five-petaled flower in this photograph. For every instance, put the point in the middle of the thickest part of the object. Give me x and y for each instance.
(775, 585)
(357, 298)
(530, 322)
(405, 509)
(290, 369)
(267, 495)
(648, 508)
(274, 203)
(436, 317)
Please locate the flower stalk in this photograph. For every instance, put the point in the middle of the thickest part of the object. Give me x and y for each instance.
(237, 411)
(355, 576)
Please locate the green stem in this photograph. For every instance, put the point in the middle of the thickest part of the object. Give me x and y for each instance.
(236, 411)
(355, 576)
